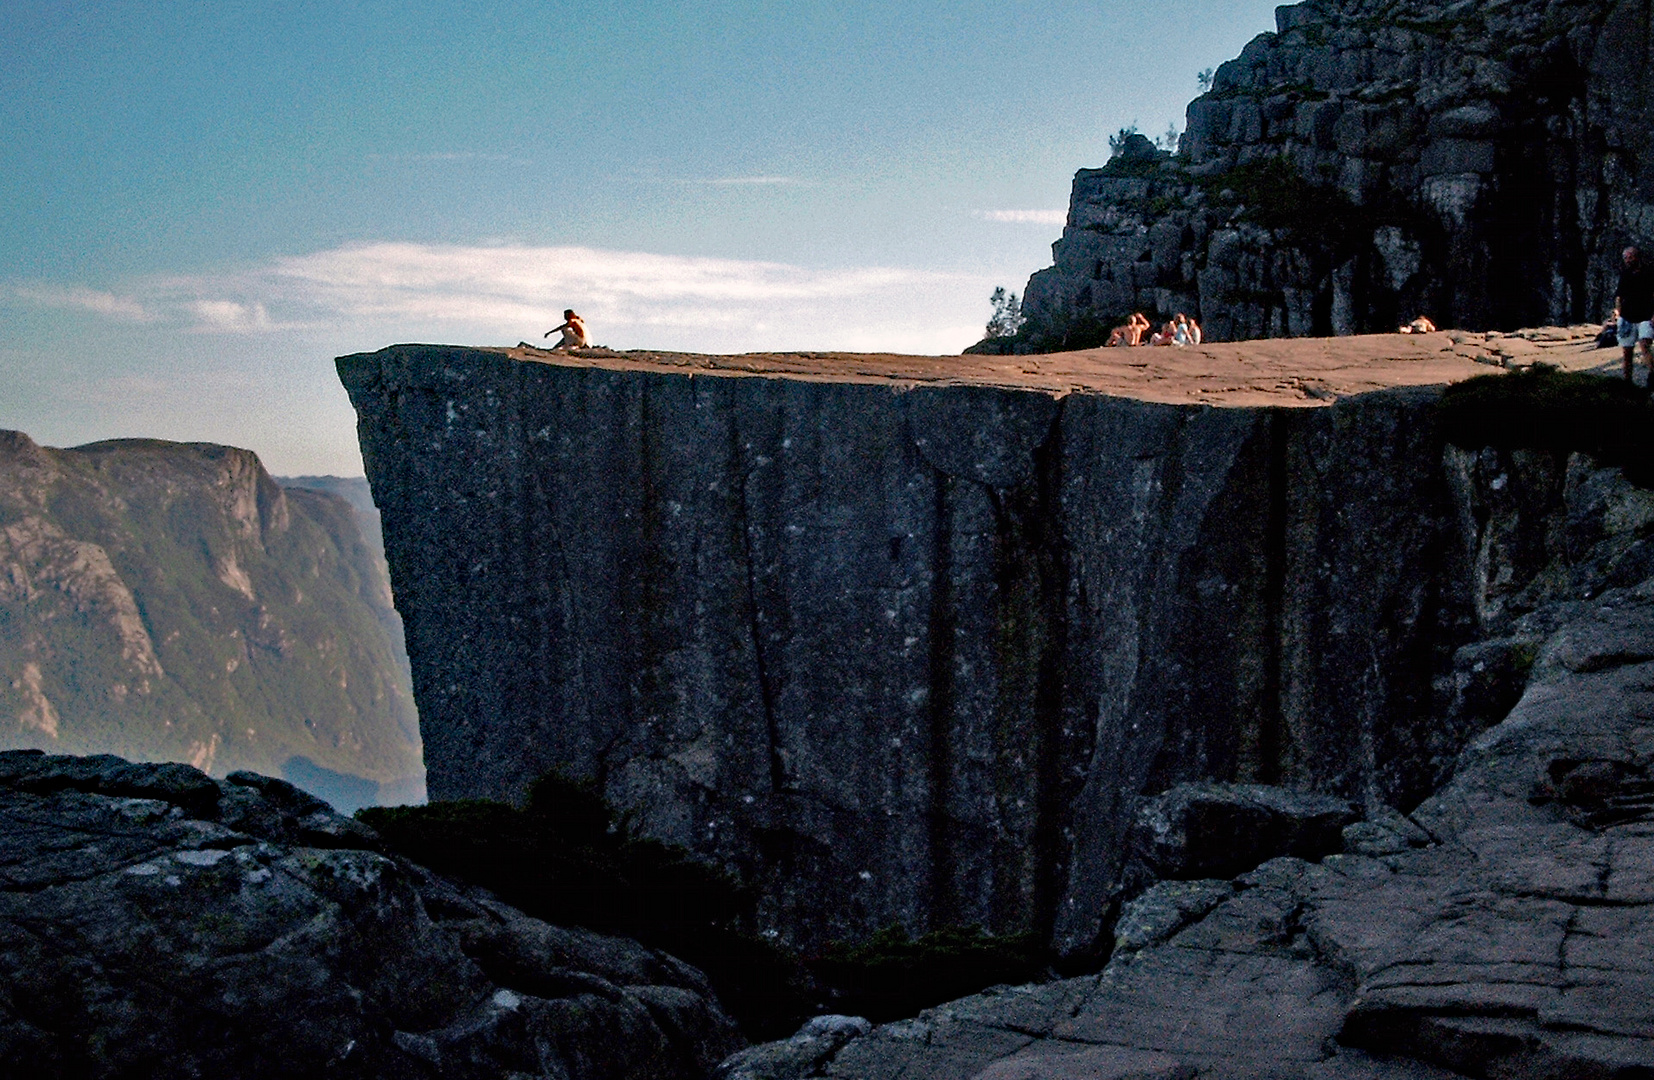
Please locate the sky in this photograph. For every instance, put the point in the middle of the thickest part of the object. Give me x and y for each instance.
(202, 205)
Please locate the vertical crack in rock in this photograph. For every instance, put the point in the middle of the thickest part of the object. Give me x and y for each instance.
(943, 900)
(1270, 721)
(1050, 806)
(740, 467)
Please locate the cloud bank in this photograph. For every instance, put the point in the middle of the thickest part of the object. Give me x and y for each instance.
(1025, 217)
(503, 293)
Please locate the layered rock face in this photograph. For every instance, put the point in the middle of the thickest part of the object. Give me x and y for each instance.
(1478, 163)
(913, 654)
(155, 922)
(171, 601)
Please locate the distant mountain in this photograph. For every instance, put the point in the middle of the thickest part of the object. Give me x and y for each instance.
(172, 601)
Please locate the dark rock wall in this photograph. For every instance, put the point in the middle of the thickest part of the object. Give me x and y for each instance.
(910, 655)
(1481, 164)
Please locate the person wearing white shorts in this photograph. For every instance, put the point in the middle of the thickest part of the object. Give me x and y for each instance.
(1635, 305)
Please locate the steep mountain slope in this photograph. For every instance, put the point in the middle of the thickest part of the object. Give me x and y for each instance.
(1373, 160)
(170, 601)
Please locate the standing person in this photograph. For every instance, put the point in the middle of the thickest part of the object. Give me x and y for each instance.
(574, 332)
(1636, 308)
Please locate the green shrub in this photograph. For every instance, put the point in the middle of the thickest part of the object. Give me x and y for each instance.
(1546, 409)
(891, 975)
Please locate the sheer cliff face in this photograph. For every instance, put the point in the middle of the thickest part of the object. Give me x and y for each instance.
(909, 654)
(170, 601)
(1373, 161)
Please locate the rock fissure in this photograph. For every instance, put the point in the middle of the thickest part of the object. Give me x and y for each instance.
(741, 471)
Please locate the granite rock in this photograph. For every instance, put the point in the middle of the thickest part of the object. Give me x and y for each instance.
(1370, 162)
(1210, 830)
(915, 655)
(912, 655)
(1509, 933)
(154, 921)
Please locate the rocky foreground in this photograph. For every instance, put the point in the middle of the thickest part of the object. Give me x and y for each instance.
(155, 922)
(1504, 929)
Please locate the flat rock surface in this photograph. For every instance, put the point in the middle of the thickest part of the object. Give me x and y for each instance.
(1283, 371)
(155, 922)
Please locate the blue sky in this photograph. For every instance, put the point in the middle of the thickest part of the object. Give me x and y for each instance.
(200, 206)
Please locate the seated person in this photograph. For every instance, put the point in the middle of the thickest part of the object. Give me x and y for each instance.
(1166, 336)
(1420, 325)
(574, 332)
(1138, 323)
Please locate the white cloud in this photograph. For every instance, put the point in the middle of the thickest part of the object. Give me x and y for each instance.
(757, 180)
(231, 316)
(502, 293)
(107, 304)
(1025, 217)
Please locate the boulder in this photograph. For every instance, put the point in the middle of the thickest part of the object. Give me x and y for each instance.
(1213, 830)
(156, 922)
(800, 1056)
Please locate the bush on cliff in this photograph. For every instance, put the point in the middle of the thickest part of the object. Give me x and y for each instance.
(567, 858)
(1543, 408)
(891, 975)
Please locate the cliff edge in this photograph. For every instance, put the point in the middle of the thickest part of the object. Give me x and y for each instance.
(907, 639)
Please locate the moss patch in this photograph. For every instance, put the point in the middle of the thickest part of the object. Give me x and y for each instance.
(891, 975)
(1546, 409)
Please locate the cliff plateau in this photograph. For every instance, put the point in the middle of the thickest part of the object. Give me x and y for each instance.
(907, 640)
(1373, 160)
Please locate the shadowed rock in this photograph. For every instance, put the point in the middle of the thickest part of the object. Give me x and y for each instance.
(155, 922)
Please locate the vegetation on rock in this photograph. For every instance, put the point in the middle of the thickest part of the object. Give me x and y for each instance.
(892, 975)
(1543, 408)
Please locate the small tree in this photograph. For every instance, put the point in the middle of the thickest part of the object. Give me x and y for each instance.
(1205, 80)
(1007, 317)
(1117, 141)
(1168, 141)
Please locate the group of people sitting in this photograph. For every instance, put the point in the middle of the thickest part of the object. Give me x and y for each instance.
(1179, 330)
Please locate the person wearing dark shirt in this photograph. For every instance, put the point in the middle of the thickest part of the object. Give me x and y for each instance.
(1635, 304)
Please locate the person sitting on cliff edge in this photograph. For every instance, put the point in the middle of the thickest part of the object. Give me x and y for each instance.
(1635, 303)
(1131, 332)
(574, 332)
